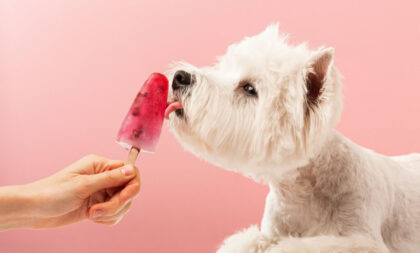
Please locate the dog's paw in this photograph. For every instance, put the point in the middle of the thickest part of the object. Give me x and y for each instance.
(327, 244)
(250, 240)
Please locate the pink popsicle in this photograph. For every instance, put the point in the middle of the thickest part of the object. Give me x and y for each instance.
(142, 126)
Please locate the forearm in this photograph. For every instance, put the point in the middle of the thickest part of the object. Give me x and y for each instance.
(16, 207)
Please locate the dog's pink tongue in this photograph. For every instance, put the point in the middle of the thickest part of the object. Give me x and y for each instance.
(172, 107)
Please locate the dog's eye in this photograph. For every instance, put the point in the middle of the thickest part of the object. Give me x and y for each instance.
(249, 89)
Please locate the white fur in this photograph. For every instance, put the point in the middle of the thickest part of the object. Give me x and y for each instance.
(327, 194)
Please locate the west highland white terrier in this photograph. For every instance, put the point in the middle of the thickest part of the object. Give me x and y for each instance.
(267, 110)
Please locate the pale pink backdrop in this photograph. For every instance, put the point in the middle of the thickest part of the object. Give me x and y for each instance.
(70, 69)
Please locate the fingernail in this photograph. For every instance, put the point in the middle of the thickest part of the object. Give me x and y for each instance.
(97, 214)
(127, 170)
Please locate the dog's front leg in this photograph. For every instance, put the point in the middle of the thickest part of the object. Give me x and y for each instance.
(327, 244)
(250, 240)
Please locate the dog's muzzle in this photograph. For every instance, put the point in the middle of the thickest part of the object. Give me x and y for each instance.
(182, 80)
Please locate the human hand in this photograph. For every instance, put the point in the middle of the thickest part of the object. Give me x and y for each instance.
(93, 187)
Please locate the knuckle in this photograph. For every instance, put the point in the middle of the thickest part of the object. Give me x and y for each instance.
(90, 157)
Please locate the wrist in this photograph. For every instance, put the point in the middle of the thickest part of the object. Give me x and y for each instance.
(17, 207)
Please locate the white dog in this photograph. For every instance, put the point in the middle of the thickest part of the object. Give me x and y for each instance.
(267, 110)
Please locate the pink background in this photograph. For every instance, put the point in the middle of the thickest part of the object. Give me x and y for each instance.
(70, 69)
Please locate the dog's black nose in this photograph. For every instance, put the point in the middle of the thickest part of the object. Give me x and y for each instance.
(181, 79)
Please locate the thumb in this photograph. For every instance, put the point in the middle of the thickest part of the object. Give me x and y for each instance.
(111, 178)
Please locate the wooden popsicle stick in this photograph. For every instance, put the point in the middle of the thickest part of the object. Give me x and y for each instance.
(131, 159)
(132, 156)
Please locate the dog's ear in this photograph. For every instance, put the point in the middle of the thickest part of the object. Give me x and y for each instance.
(318, 68)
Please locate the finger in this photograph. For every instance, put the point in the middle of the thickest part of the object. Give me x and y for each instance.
(108, 179)
(97, 197)
(104, 165)
(111, 191)
(109, 208)
(132, 189)
(116, 216)
(109, 223)
(91, 164)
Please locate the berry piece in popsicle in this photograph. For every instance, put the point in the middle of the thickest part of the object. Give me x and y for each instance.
(142, 126)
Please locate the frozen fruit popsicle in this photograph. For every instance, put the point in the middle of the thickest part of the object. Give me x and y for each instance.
(142, 126)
